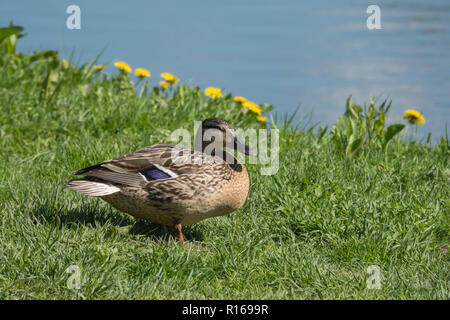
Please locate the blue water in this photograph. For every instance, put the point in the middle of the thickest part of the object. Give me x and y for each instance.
(285, 53)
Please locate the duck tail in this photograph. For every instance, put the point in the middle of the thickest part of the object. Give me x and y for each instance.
(91, 188)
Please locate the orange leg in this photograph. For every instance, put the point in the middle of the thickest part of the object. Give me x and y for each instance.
(178, 233)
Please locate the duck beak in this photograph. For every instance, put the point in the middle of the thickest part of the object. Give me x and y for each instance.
(243, 148)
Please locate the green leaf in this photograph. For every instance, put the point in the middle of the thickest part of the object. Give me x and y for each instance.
(322, 131)
(355, 110)
(7, 32)
(428, 139)
(378, 126)
(391, 132)
(42, 55)
(338, 141)
(355, 145)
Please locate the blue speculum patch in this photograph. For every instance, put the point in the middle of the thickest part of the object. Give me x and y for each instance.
(155, 174)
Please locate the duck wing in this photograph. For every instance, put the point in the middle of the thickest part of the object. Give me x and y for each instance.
(157, 162)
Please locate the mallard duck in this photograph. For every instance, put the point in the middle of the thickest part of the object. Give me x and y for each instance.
(174, 186)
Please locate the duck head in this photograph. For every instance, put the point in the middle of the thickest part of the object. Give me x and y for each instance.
(216, 133)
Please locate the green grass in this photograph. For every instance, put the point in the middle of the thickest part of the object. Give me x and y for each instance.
(308, 232)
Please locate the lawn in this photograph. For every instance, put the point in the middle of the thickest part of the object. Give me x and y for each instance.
(311, 231)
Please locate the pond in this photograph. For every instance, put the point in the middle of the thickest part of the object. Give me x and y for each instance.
(285, 53)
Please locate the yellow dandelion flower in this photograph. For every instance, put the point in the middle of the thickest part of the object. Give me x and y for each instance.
(261, 119)
(65, 63)
(123, 66)
(141, 73)
(239, 100)
(100, 67)
(213, 92)
(164, 84)
(169, 77)
(253, 107)
(414, 117)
